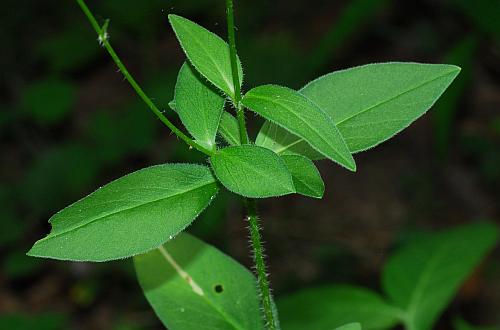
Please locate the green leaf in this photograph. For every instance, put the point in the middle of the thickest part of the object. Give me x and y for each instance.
(350, 326)
(371, 103)
(294, 112)
(208, 53)
(198, 105)
(192, 285)
(328, 307)
(306, 177)
(252, 171)
(423, 276)
(229, 129)
(131, 215)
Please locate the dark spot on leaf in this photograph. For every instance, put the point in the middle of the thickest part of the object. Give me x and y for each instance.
(219, 288)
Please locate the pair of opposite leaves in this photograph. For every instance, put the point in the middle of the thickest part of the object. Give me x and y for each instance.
(331, 117)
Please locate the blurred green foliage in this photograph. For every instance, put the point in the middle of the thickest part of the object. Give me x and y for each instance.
(39, 322)
(48, 101)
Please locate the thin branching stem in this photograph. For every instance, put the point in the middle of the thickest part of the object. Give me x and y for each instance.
(104, 41)
(270, 314)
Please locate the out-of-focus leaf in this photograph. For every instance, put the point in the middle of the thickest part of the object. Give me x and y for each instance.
(483, 13)
(65, 51)
(131, 215)
(18, 264)
(132, 15)
(461, 324)
(353, 17)
(48, 101)
(57, 174)
(252, 171)
(11, 228)
(461, 54)
(7, 116)
(192, 285)
(350, 326)
(115, 135)
(30, 322)
(328, 307)
(423, 276)
(208, 53)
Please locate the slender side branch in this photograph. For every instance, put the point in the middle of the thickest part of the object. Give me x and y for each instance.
(240, 113)
(103, 40)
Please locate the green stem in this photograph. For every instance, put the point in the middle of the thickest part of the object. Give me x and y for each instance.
(270, 313)
(240, 112)
(103, 40)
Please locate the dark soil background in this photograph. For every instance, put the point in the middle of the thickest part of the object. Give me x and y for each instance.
(69, 123)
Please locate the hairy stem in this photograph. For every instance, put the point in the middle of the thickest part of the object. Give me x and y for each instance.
(103, 40)
(240, 113)
(251, 205)
(260, 265)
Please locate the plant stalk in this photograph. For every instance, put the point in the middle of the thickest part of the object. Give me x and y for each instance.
(103, 40)
(240, 112)
(270, 313)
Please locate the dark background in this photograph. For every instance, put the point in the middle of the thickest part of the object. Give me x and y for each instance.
(70, 123)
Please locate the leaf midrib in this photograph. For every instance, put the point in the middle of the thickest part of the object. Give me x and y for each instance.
(375, 106)
(304, 182)
(252, 169)
(306, 123)
(209, 302)
(395, 97)
(227, 131)
(215, 64)
(51, 236)
(422, 282)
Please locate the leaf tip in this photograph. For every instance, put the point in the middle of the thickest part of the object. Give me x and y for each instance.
(33, 252)
(350, 164)
(454, 70)
(172, 17)
(317, 195)
(174, 20)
